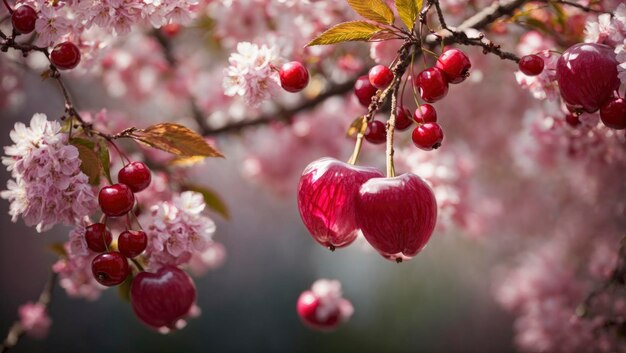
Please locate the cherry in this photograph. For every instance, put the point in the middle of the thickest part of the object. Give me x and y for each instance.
(376, 132)
(397, 215)
(135, 175)
(531, 65)
(307, 307)
(65, 56)
(587, 76)
(432, 84)
(403, 119)
(293, 76)
(23, 19)
(162, 298)
(98, 237)
(326, 194)
(613, 114)
(116, 200)
(425, 113)
(132, 242)
(110, 268)
(380, 76)
(572, 119)
(455, 64)
(428, 136)
(364, 90)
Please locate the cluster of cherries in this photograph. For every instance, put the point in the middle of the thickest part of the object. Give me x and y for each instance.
(159, 299)
(64, 56)
(588, 82)
(452, 67)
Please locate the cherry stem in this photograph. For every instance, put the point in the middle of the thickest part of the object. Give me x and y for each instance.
(138, 265)
(17, 330)
(8, 6)
(391, 124)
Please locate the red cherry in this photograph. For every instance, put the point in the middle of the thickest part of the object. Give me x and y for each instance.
(572, 120)
(455, 64)
(425, 113)
(380, 76)
(376, 132)
(428, 136)
(116, 200)
(531, 65)
(23, 19)
(162, 298)
(432, 84)
(397, 215)
(403, 119)
(364, 90)
(307, 307)
(135, 175)
(326, 194)
(65, 56)
(132, 243)
(98, 237)
(613, 114)
(293, 76)
(587, 76)
(171, 29)
(110, 268)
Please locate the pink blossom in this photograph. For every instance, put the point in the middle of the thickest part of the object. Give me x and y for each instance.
(330, 299)
(620, 50)
(250, 73)
(34, 319)
(544, 85)
(47, 186)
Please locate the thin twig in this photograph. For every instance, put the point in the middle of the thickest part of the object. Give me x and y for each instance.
(17, 331)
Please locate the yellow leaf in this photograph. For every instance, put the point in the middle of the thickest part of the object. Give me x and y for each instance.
(374, 10)
(358, 126)
(347, 31)
(175, 139)
(186, 161)
(409, 10)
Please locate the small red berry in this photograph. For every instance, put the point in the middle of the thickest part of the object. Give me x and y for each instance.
(531, 65)
(428, 136)
(132, 242)
(65, 56)
(403, 119)
(307, 308)
(171, 29)
(380, 76)
(432, 84)
(425, 113)
(116, 200)
(98, 237)
(613, 114)
(110, 268)
(293, 76)
(135, 175)
(23, 19)
(376, 132)
(364, 90)
(572, 120)
(455, 64)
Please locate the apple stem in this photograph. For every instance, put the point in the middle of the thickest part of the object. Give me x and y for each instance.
(357, 149)
(391, 124)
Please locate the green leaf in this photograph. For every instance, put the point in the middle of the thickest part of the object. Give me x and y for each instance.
(211, 198)
(561, 16)
(89, 161)
(105, 159)
(345, 32)
(408, 11)
(374, 10)
(175, 139)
